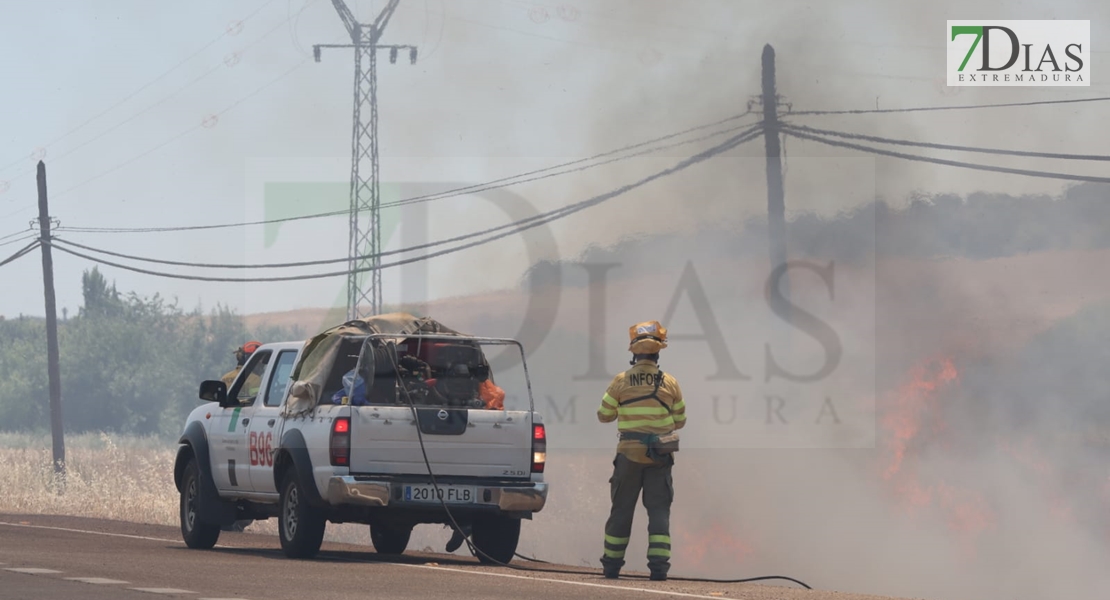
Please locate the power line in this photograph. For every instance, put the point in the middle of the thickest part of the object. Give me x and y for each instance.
(872, 138)
(28, 236)
(519, 226)
(750, 130)
(24, 251)
(187, 131)
(144, 87)
(950, 163)
(191, 83)
(14, 234)
(935, 108)
(177, 137)
(492, 185)
(468, 189)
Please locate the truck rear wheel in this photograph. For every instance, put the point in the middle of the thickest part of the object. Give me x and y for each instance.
(497, 538)
(196, 533)
(389, 538)
(300, 527)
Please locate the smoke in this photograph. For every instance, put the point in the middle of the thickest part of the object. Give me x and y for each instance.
(947, 470)
(932, 460)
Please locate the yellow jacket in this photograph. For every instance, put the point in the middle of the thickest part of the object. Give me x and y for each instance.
(645, 415)
(250, 386)
(229, 377)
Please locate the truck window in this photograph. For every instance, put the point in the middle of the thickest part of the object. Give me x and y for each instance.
(279, 380)
(434, 373)
(245, 389)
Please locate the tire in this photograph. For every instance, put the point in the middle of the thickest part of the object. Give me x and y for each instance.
(196, 533)
(497, 538)
(300, 527)
(390, 539)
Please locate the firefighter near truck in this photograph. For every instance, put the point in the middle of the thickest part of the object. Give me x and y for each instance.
(389, 421)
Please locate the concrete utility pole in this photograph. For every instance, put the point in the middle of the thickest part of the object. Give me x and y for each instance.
(776, 205)
(365, 229)
(53, 371)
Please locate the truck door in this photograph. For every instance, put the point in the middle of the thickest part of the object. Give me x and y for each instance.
(227, 440)
(265, 425)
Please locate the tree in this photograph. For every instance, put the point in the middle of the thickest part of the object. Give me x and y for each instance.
(129, 364)
(100, 300)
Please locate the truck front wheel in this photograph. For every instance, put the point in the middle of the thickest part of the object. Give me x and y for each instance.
(497, 538)
(196, 533)
(300, 527)
(389, 538)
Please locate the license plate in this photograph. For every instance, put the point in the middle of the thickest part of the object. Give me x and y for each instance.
(450, 493)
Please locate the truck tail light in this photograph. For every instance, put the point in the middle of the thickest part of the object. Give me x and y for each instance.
(539, 447)
(340, 443)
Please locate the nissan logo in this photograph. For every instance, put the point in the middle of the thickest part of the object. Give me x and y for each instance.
(442, 415)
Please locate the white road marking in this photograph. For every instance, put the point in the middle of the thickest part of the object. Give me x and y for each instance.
(163, 591)
(97, 580)
(585, 583)
(31, 571)
(104, 533)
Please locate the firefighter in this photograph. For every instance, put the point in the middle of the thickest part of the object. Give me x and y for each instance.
(242, 353)
(648, 407)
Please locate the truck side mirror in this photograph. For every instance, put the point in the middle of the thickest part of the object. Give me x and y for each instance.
(213, 391)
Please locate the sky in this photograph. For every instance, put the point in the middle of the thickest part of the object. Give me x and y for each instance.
(165, 114)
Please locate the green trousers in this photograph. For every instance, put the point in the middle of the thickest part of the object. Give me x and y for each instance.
(629, 479)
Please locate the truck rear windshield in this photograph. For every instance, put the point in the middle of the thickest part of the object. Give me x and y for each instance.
(425, 372)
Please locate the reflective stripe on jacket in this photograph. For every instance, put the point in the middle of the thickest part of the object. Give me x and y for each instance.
(635, 403)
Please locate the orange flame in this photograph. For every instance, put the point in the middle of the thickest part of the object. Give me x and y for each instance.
(966, 512)
(693, 548)
(911, 402)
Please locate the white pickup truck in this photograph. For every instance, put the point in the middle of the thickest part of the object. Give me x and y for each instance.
(345, 428)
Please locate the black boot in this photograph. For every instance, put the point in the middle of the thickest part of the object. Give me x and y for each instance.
(611, 567)
(658, 576)
(457, 538)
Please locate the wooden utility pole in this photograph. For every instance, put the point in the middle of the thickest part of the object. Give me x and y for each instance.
(53, 371)
(776, 205)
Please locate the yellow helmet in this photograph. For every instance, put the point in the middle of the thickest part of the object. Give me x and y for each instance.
(648, 337)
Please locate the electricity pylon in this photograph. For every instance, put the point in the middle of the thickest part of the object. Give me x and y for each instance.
(364, 250)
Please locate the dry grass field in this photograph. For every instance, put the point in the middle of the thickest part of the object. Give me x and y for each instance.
(131, 479)
(107, 478)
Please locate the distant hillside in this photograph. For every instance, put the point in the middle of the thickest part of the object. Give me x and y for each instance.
(955, 302)
(982, 270)
(979, 226)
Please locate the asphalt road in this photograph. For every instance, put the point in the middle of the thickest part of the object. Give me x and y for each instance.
(52, 557)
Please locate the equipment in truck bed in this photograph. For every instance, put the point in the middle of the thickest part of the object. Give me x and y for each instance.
(435, 372)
